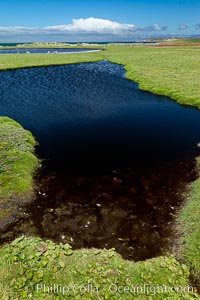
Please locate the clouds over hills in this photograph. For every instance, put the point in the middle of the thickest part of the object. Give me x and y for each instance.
(86, 28)
(81, 27)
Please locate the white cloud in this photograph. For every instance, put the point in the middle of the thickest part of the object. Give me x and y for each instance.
(83, 30)
(154, 27)
(78, 26)
(183, 26)
(197, 26)
(87, 26)
(19, 30)
(94, 25)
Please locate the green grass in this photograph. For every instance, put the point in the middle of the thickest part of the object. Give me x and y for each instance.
(193, 40)
(30, 266)
(14, 61)
(173, 72)
(17, 164)
(189, 229)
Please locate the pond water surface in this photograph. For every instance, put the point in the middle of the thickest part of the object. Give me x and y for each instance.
(45, 50)
(116, 159)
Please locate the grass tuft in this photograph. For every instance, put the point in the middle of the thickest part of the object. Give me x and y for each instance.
(17, 164)
(33, 268)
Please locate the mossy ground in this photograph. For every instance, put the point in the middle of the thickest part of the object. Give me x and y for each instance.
(17, 164)
(189, 230)
(173, 72)
(32, 268)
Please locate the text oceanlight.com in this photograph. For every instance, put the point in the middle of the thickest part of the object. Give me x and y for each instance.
(90, 288)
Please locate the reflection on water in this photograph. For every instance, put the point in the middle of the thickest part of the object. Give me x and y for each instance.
(117, 159)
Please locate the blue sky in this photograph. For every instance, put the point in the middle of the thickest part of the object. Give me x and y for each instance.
(97, 20)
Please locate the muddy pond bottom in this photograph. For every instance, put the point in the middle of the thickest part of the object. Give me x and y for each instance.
(116, 161)
(131, 210)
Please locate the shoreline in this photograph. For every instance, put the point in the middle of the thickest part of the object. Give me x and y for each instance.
(53, 52)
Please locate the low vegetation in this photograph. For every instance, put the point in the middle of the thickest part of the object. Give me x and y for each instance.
(189, 230)
(189, 41)
(32, 268)
(17, 164)
(172, 72)
(14, 61)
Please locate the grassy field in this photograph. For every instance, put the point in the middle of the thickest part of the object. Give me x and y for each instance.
(173, 72)
(14, 61)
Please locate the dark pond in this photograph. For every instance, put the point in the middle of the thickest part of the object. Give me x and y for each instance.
(45, 50)
(116, 159)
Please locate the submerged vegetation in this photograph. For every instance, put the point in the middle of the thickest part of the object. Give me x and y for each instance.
(26, 262)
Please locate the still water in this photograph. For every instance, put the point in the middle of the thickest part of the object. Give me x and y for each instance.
(45, 50)
(116, 160)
